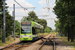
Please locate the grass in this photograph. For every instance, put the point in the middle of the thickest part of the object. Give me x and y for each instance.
(66, 42)
(9, 40)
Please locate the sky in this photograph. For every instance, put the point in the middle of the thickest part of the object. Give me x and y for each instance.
(40, 9)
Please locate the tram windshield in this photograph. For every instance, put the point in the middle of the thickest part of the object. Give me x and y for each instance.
(26, 27)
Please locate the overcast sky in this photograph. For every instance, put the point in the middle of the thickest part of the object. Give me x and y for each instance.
(39, 9)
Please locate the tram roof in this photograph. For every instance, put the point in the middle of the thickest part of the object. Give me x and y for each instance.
(37, 25)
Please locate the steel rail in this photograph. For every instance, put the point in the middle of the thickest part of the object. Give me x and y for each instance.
(8, 46)
(54, 45)
(46, 41)
(42, 45)
(22, 44)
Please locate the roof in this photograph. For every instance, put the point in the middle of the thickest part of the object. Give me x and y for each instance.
(37, 25)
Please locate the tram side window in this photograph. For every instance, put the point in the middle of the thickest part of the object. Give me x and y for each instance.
(33, 30)
(21, 30)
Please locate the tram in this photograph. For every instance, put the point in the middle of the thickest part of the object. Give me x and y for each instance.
(27, 31)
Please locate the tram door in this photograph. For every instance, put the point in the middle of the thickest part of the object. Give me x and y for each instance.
(33, 30)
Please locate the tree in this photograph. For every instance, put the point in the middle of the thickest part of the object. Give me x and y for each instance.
(48, 29)
(64, 10)
(32, 14)
(42, 22)
(17, 27)
(9, 19)
(1, 6)
(57, 25)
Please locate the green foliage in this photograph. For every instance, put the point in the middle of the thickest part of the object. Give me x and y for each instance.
(17, 27)
(57, 25)
(47, 29)
(1, 6)
(0, 37)
(29, 18)
(65, 12)
(9, 20)
(32, 14)
(42, 22)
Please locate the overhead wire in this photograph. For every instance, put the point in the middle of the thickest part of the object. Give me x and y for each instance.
(48, 7)
(47, 3)
(19, 4)
(22, 7)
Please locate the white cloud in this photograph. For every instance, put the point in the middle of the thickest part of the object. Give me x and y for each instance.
(43, 12)
(51, 24)
(42, 2)
(47, 3)
(50, 19)
(21, 2)
(18, 11)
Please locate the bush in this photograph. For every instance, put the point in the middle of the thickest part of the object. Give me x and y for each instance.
(0, 37)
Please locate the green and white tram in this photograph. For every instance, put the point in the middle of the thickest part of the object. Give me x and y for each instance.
(27, 31)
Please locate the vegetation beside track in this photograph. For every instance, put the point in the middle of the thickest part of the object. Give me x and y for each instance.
(65, 12)
(9, 40)
(66, 42)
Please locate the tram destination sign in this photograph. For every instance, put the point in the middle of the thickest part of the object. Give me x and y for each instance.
(26, 24)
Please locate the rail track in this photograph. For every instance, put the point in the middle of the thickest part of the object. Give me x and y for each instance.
(47, 39)
(17, 46)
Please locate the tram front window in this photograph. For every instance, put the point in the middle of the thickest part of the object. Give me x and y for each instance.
(26, 27)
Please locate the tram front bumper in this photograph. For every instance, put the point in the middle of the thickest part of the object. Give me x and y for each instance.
(25, 39)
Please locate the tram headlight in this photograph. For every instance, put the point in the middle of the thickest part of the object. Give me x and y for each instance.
(21, 36)
(30, 36)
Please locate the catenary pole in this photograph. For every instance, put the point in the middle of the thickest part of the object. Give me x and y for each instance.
(14, 19)
(4, 23)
